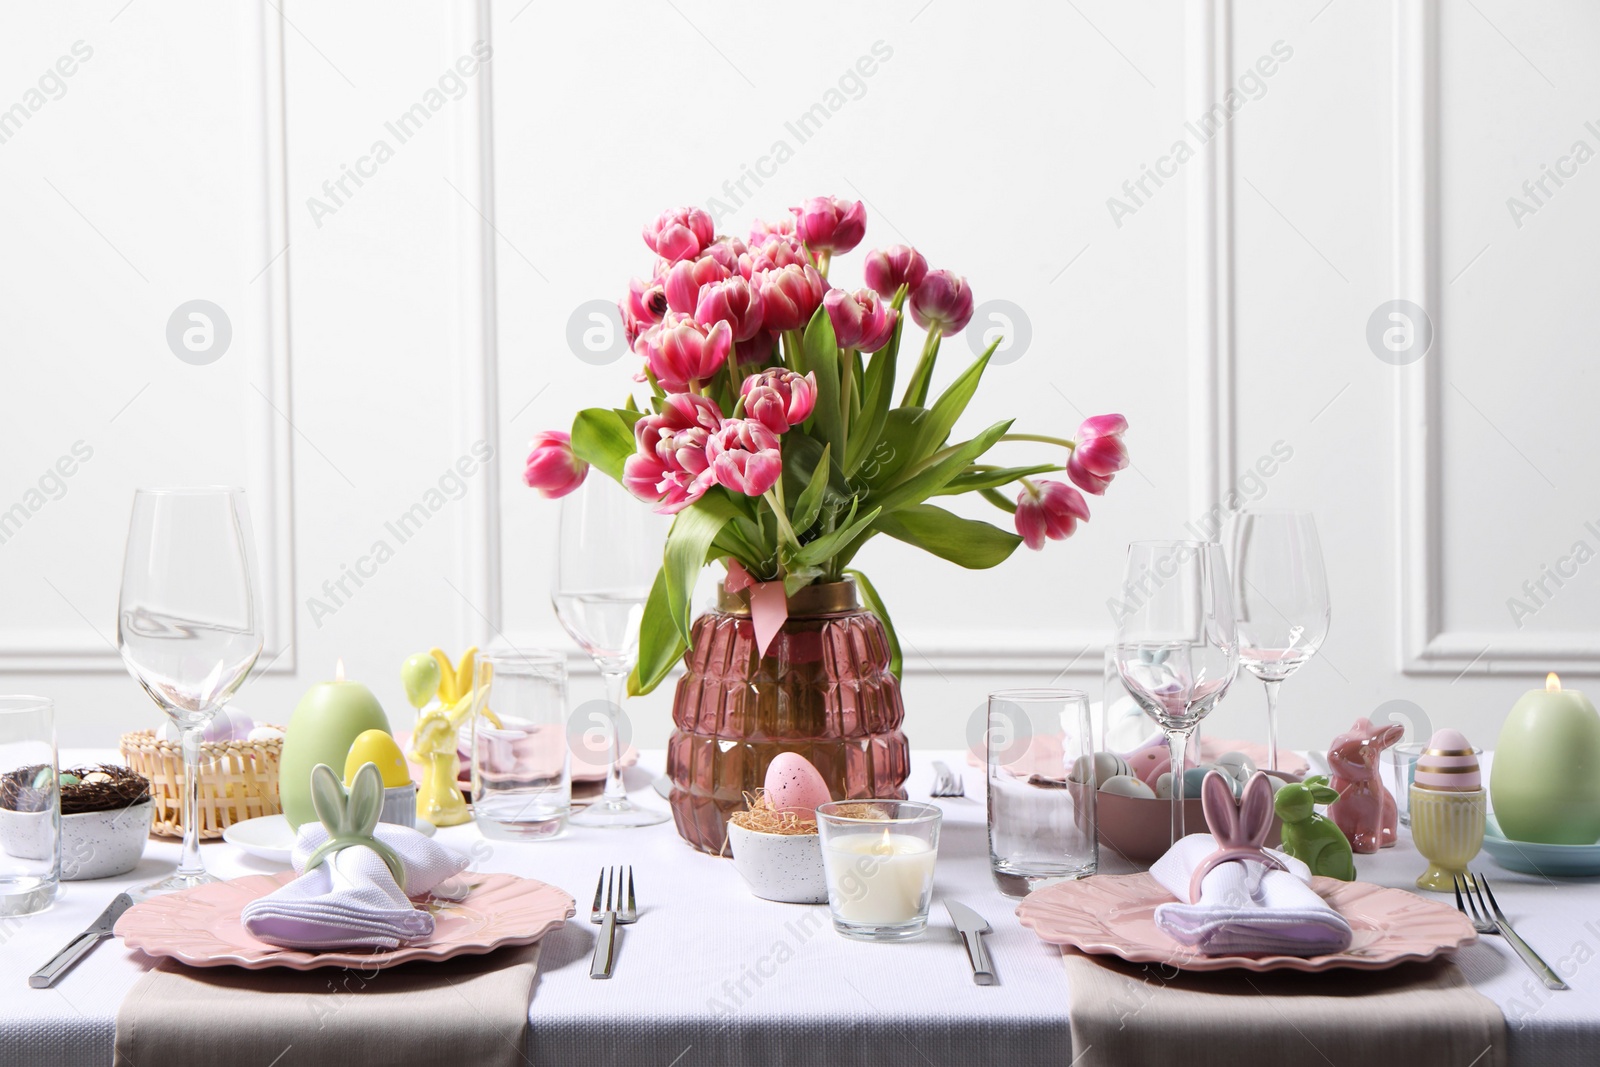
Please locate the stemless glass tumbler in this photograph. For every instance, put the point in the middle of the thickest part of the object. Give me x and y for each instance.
(521, 761)
(30, 806)
(1041, 825)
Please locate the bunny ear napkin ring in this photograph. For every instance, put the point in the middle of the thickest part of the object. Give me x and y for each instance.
(351, 818)
(1240, 829)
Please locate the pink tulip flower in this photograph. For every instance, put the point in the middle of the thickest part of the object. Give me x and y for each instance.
(670, 467)
(684, 279)
(679, 350)
(680, 234)
(777, 250)
(789, 296)
(886, 270)
(1048, 510)
(642, 307)
(744, 455)
(779, 399)
(733, 301)
(860, 320)
(827, 224)
(726, 251)
(761, 229)
(553, 468)
(942, 299)
(1100, 454)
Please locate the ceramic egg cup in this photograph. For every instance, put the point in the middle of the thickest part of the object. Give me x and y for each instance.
(783, 867)
(1447, 828)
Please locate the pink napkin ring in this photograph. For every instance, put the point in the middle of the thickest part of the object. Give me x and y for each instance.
(1240, 829)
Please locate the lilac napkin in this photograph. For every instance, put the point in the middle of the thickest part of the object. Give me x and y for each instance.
(351, 899)
(1245, 909)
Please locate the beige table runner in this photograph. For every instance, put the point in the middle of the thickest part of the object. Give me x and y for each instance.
(1416, 1015)
(469, 1010)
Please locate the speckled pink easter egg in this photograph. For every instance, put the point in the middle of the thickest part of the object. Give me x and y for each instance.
(1449, 765)
(794, 785)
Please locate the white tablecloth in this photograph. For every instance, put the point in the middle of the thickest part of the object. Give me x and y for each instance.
(712, 975)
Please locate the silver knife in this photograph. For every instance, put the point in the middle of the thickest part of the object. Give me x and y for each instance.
(79, 947)
(973, 926)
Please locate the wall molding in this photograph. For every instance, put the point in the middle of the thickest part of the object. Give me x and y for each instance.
(1426, 646)
(264, 316)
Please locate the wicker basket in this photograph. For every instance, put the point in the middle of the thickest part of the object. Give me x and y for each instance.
(239, 781)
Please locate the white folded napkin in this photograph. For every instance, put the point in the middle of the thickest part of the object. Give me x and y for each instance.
(1246, 909)
(351, 899)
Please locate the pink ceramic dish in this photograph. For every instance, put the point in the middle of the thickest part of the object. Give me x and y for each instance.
(201, 926)
(1114, 915)
(1140, 828)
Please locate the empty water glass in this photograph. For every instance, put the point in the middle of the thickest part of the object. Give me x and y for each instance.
(1041, 823)
(521, 767)
(30, 806)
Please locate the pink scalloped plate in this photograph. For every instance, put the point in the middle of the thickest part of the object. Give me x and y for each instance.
(1114, 915)
(201, 926)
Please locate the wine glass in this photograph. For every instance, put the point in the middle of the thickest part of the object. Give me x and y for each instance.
(1280, 595)
(189, 625)
(610, 549)
(1177, 651)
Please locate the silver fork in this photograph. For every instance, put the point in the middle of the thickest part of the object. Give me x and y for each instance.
(946, 783)
(1485, 923)
(619, 908)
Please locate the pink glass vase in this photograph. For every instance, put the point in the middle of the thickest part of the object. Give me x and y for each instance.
(823, 690)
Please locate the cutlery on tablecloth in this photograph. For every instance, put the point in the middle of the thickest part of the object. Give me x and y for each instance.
(79, 947)
(1485, 923)
(618, 909)
(946, 783)
(972, 927)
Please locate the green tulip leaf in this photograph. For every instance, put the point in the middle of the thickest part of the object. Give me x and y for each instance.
(968, 542)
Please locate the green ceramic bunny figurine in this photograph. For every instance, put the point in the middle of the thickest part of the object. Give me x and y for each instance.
(350, 819)
(1313, 839)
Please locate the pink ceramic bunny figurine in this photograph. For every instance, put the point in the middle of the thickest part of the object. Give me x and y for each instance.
(1365, 810)
(1241, 830)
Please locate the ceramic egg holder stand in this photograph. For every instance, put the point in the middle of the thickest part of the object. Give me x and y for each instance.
(350, 818)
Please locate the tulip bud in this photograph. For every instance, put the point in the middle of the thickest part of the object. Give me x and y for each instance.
(779, 399)
(553, 468)
(1100, 453)
(942, 299)
(789, 296)
(684, 279)
(1048, 510)
(861, 320)
(679, 350)
(734, 302)
(886, 270)
(827, 224)
(679, 234)
(744, 455)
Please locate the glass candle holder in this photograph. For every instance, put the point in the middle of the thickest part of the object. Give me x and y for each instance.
(878, 856)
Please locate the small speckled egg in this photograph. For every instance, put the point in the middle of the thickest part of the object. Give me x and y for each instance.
(1449, 765)
(1126, 785)
(793, 785)
(265, 733)
(1103, 764)
(93, 778)
(43, 776)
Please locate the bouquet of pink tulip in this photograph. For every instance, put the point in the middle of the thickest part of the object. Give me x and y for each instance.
(773, 439)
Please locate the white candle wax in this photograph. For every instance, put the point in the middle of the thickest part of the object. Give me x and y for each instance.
(879, 878)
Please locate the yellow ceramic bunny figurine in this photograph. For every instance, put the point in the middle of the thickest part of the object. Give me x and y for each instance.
(439, 797)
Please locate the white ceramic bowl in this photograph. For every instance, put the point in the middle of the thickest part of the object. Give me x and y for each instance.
(782, 867)
(103, 844)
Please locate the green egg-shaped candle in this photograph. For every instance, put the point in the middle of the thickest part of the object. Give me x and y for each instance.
(1545, 778)
(324, 725)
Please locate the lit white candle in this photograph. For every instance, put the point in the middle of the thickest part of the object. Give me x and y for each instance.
(879, 878)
